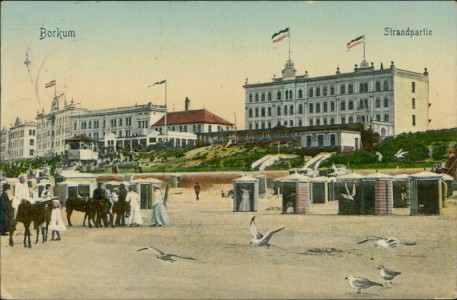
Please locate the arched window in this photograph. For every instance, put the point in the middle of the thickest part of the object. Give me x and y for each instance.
(290, 94)
(278, 96)
(300, 94)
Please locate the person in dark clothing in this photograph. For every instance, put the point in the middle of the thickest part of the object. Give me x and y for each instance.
(4, 205)
(120, 217)
(197, 190)
(451, 165)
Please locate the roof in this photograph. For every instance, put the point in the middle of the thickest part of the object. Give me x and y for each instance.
(192, 117)
(80, 138)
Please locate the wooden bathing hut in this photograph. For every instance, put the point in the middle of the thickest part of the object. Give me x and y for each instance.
(349, 186)
(74, 189)
(295, 194)
(400, 188)
(246, 193)
(145, 188)
(426, 193)
(262, 184)
(319, 189)
(377, 194)
(175, 181)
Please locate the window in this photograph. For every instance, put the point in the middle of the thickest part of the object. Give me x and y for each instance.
(291, 109)
(363, 88)
(128, 121)
(113, 122)
(32, 142)
(263, 97)
(311, 108)
(250, 113)
(250, 97)
(343, 120)
(378, 86)
(332, 120)
(332, 106)
(413, 87)
(378, 117)
(300, 94)
(332, 140)
(256, 112)
(83, 125)
(342, 89)
(262, 112)
(269, 124)
(318, 92)
(318, 122)
(120, 121)
(350, 88)
(278, 97)
(325, 121)
(414, 120)
(290, 94)
(351, 120)
(350, 104)
(256, 97)
(287, 95)
(308, 141)
(269, 111)
(413, 103)
(291, 123)
(343, 105)
(386, 85)
(325, 107)
(250, 125)
(318, 107)
(311, 123)
(378, 102)
(278, 111)
(310, 92)
(285, 110)
(386, 118)
(31, 152)
(263, 125)
(269, 96)
(386, 102)
(300, 123)
(300, 109)
(332, 90)
(96, 124)
(360, 104)
(324, 91)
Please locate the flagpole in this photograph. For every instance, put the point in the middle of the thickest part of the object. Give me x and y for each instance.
(166, 130)
(289, 42)
(364, 47)
(55, 89)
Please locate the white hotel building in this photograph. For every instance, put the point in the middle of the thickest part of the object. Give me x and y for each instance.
(389, 101)
(19, 141)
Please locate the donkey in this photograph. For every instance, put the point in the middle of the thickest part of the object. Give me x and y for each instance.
(85, 205)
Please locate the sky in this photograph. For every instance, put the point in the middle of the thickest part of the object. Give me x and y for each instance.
(207, 50)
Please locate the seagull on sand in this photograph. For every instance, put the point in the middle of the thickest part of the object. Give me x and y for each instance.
(165, 256)
(387, 274)
(400, 154)
(360, 283)
(260, 239)
(385, 243)
(349, 196)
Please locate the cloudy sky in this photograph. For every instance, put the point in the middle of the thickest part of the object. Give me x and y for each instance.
(206, 50)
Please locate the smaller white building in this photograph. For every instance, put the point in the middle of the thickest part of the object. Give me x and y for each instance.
(21, 140)
(341, 140)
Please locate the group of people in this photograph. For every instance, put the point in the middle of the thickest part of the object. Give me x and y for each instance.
(159, 216)
(9, 205)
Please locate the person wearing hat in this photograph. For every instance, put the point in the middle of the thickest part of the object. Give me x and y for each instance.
(120, 217)
(5, 206)
(134, 220)
(56, 224)
(22, 191)
(159, 216)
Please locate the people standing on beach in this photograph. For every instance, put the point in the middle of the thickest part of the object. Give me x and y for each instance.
(197, 190)
(56, 224)
(134, 220)
(120, 218)
(4, 205)
(159, 216)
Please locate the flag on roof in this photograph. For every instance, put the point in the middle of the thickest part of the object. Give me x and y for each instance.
(49, 84)
(158, 82)
(279, 36)
(356, 41)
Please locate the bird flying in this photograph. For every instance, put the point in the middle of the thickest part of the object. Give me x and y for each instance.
(400, 154)
(349, 196)
(360, 283)
(260, 239)
(387, 274)
(385, 242)
(165, 256)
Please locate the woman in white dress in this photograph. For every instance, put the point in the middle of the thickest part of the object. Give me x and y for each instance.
(245, 203)
(56, 224)
(159, 216)
(134, 220)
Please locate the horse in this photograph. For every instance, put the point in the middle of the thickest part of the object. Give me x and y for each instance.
(85, 205)
(102, 209)
(121, 209)
(38, 213)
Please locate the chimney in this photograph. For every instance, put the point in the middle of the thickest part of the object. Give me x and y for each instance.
(187, 104)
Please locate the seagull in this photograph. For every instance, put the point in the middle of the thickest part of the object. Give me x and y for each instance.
(387, 274)
(165, 256)
(379, 156)
(260, 239)
(360, 283)
(386, 243)
(349, 196)
(400, 154)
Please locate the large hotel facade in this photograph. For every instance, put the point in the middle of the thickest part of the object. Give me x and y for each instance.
(389, 101)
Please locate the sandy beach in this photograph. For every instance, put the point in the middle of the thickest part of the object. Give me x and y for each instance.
(309, 258)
